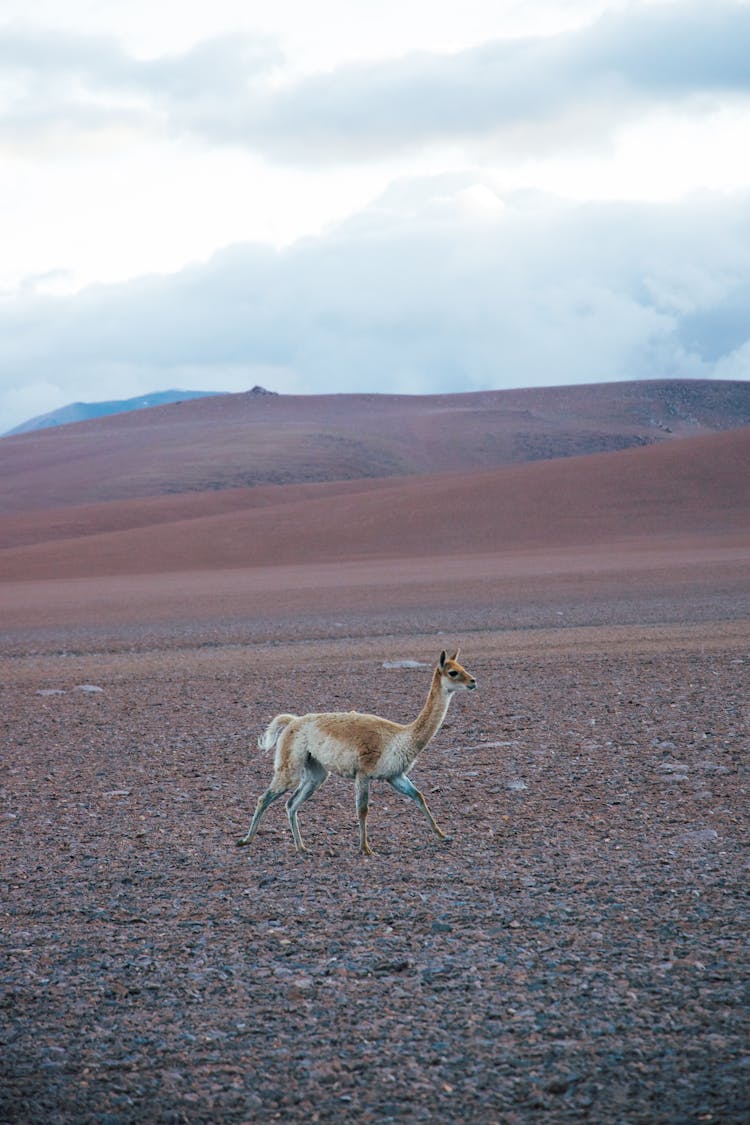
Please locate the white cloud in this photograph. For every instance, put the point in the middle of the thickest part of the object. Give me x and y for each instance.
(314, 37)
(419, 293)
(735, 365)
(582, 83)
(341, 196)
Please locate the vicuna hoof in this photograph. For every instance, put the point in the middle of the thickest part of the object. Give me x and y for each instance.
(242, 843)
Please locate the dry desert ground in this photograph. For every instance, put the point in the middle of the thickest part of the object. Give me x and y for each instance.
(578, 950)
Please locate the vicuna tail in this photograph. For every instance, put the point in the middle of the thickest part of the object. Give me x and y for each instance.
(274, 730)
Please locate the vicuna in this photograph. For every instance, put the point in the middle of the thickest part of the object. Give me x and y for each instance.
(351, 744)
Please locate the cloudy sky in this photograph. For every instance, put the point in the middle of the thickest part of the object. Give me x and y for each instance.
(395, 196)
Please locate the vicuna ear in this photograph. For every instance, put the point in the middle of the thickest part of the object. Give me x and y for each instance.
(455, 654)
(443, 658)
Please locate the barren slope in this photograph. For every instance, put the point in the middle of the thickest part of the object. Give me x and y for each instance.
(240, 440)
(696, 487)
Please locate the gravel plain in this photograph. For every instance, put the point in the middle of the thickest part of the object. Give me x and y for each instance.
(577, 952)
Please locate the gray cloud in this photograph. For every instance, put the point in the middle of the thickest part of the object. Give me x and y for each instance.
(219, 90)
(604, 73)
(426, 297)
(61, 81)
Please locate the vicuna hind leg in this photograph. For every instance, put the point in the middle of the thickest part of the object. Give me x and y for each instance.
(314, 775)
(275, 790)
(362, 794)
(402, 784)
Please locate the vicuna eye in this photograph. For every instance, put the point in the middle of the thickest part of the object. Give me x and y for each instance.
(453, 673)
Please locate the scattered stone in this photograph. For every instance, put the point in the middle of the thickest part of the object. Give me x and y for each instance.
(558, 1085)
(558, 963)
(700, 836)
(492, 745)
(672, 771)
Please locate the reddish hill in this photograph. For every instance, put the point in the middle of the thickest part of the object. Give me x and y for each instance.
(233, 441)
(694, 487)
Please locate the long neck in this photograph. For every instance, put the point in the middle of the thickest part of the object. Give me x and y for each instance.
(430, 718)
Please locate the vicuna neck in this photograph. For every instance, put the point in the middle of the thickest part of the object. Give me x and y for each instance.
(430, 718)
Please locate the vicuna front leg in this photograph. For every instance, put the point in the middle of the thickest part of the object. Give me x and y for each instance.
(362, 792)
(402, 784)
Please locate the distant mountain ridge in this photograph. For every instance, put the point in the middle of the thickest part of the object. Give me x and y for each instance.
(225, 442)
(84, 411)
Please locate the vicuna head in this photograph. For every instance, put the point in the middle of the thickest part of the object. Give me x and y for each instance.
(453, 676)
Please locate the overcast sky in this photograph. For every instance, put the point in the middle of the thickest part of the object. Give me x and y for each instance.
(395, 196)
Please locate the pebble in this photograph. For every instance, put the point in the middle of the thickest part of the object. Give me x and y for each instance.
(700, 836)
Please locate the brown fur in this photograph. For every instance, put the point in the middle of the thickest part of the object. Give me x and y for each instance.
(367, 732)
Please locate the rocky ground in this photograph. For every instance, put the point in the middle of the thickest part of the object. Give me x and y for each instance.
(577, 952)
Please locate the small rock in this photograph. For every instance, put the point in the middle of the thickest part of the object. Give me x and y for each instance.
(492, 745)
(700, 836)
(88, 687)
(672, 771)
